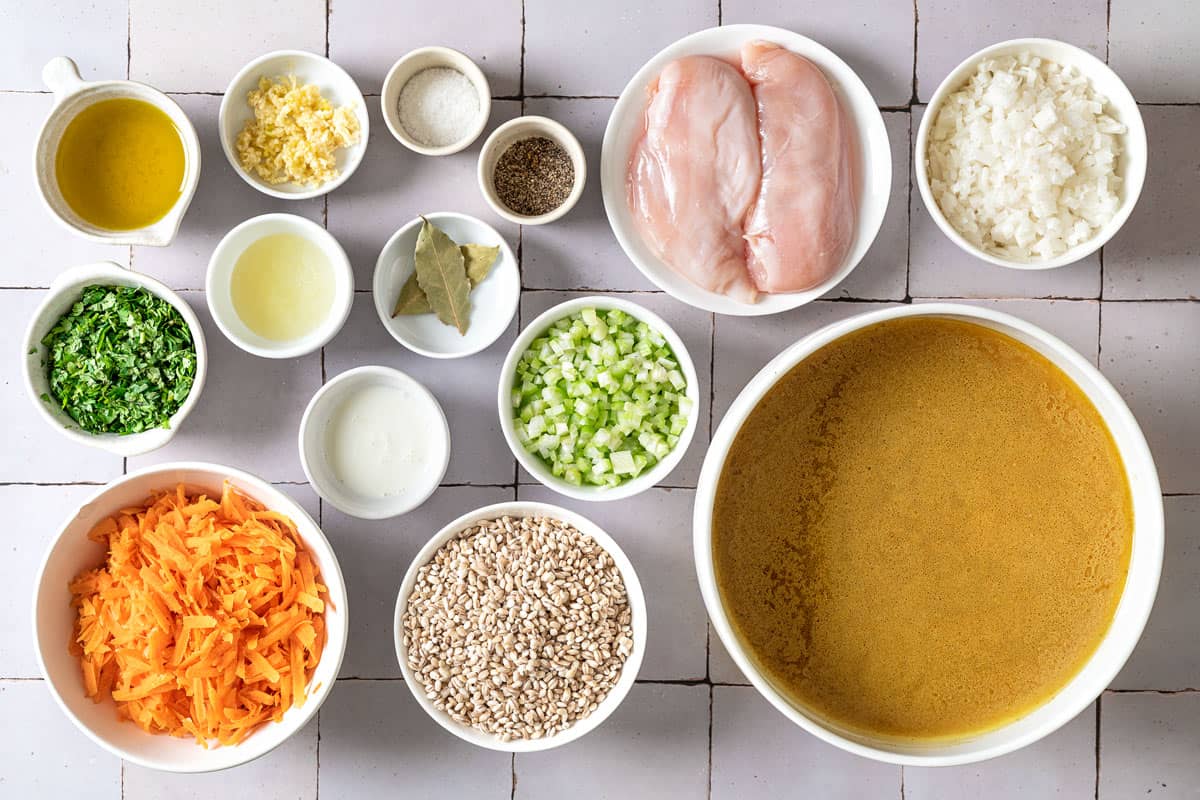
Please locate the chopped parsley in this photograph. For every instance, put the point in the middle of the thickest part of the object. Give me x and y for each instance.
(120, 361)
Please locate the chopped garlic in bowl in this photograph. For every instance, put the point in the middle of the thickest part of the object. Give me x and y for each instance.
(1031, 154)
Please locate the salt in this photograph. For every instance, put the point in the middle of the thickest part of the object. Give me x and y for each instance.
(438, 106)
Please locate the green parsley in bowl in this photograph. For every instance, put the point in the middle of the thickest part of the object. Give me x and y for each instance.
(114, 359)
(598, 398)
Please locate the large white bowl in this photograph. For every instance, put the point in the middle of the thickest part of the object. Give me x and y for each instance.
(71, 552)
(1121, 105)
(874, 170)
(64, 292)
(1136, 600)
(637, 606)
(538, 468)
(336, 86)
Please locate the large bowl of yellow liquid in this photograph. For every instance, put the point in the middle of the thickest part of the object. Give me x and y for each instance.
(279, 286)
(116, 161)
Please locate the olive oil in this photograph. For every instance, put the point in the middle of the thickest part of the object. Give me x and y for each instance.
(282, 287)
(120, 164)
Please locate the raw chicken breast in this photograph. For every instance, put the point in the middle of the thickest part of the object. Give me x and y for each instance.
(802, 223)
(694, 173)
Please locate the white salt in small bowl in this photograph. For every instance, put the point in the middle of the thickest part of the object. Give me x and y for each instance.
(418, 61)
(508, 134)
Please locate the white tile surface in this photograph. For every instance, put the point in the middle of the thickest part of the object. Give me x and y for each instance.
(43, 509)
(46, 756)
(655, 745)
(246, 399)
(757, 750)
(465, 388)
(1168, 656)
(1063, 765)
(655, 531)
(950, 30)
(186, 46)
(875, 39)
(694, 328)
(377, 742)
(492, 38)
(1148, 744)
(1148, 351)
(1152, 45)
(287, 773)
(594, 48)
(374, 555)
(94, 34)
(1156, 253)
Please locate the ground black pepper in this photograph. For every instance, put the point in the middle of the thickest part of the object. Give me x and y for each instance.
(533, 176)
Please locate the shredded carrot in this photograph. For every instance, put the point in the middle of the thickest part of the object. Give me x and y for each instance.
(206, 619)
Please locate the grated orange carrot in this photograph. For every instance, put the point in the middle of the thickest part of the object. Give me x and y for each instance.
(206, 619)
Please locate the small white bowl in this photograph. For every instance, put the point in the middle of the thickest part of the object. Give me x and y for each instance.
(1121, 106)
(538, 468)
(71, 96)
(1137, 598)
(513, 131)
(71, 552)
(320, 474)
(418, 61)
(493, 302)
(625, 126)
(64, 291)
(218, 283)
(309, 68)
(637, 606)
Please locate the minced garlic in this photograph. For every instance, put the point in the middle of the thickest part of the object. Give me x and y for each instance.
(294, 133)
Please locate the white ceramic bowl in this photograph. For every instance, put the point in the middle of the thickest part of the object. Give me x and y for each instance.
(71, 96)
(71, 552)
(637, 605)
(315, 423)
(493, 302)
(625, 125)
(1132, 611)
(218, 283)
(64, 291)
(1121, 106)
(418, 61)
(513, 131)
(336, 86)
(538, 468)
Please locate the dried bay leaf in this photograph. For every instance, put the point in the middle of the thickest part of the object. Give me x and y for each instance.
(479, 259)
(442, 275)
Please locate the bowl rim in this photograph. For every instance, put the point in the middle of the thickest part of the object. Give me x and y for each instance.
(61, 75)
(868, 124)
(1148, 533)
(382, 268)
(454, 59)
(552, 129)
(109, 273)
(354, 153)
(533, 465)
(633, 591)
(332, 576)
(1135, 141)
(342, 501)
(342, 301)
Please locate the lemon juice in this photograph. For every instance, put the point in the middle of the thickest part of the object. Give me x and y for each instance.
(282, 287)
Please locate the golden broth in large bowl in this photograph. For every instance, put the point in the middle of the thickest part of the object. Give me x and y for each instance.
(929, 535)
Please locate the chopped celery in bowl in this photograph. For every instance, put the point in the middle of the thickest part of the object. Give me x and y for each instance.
(598, 398)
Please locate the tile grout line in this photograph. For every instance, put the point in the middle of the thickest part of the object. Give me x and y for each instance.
(711, 693)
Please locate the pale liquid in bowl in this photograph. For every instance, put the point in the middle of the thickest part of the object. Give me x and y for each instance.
(282, 287)
(922, 531)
